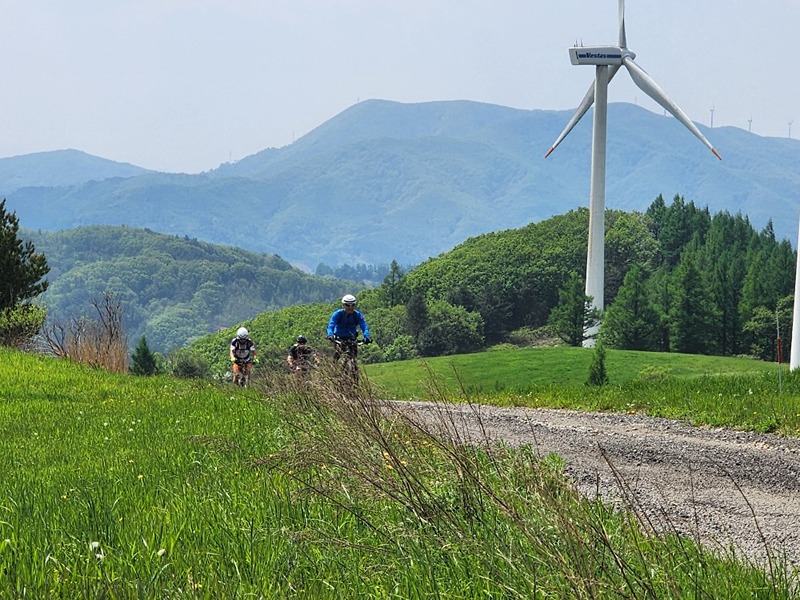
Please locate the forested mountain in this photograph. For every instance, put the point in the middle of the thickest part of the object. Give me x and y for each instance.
(678, 279)
(172, 289)
(386, 181)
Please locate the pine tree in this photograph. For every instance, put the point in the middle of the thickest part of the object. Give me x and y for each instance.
(693, 315)
(21, 268)
(574, 314)
(597, 368)
(417, 313)
(631, 322)
(143, 361)
(724, 258)
(393, 286)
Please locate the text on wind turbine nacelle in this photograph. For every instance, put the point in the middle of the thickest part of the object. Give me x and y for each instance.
(596, 55)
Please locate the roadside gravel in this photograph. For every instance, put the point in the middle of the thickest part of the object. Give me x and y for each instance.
(726, 488)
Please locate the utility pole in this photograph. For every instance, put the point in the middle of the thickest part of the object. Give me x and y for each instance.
(712, 117)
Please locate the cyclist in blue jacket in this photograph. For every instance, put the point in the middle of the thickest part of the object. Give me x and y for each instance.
(345, 321)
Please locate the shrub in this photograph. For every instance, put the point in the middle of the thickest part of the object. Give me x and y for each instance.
(371, 354)
(528, 337)
(187, 364)
(19, 324)
(402, 348)
(452, 330)
(99, 342)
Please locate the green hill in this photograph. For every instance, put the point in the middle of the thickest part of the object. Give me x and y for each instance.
(173, 289)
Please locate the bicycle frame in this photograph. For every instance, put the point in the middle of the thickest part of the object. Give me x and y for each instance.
(241, 372)
(347, 348)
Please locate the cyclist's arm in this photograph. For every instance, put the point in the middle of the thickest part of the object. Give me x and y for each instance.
(363, 323)
(332, 323)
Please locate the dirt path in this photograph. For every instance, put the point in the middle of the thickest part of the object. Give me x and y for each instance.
(724, 487)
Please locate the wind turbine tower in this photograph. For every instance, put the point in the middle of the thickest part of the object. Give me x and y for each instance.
(794, 349)
(607, 60)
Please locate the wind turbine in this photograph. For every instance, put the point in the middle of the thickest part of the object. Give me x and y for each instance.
(607, 60)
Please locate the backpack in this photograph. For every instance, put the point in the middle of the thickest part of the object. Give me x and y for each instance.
(242, 348)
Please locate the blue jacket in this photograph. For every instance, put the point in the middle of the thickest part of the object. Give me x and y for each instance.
(346, 326)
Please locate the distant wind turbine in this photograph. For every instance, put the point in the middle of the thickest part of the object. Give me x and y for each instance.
(607, 60)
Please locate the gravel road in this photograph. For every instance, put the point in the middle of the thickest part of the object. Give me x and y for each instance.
(725, 487)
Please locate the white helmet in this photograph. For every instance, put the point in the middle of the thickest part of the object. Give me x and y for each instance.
(241, 333)
(348, 299)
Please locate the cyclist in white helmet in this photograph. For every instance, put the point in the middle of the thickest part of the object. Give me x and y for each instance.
(345, 321)
(343, 332)
(242, 354)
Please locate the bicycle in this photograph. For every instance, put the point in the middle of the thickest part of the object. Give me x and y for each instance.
(347, 348)
(241, 371)
(301, 369)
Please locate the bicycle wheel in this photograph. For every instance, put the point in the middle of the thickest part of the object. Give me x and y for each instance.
(351, 370)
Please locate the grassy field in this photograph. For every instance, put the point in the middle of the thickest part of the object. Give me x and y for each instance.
(123, 487)
(712, 390)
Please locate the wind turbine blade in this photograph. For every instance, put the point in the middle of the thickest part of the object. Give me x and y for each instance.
(622, 40)
(584, 106)
(648, 85)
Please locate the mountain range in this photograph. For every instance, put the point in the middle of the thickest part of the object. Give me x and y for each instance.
(387, 181)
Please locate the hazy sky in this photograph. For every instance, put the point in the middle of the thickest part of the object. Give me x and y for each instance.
(185, 85)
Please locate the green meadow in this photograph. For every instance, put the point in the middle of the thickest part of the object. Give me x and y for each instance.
(710, 390)
(116, 486)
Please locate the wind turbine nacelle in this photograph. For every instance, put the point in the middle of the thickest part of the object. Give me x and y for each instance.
(596, 55)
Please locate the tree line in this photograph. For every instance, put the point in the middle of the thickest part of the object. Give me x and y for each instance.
(678, 279)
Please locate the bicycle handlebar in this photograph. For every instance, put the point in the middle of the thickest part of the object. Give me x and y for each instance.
(341, 341)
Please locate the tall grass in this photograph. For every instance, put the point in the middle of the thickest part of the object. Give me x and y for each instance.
(122, 487)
